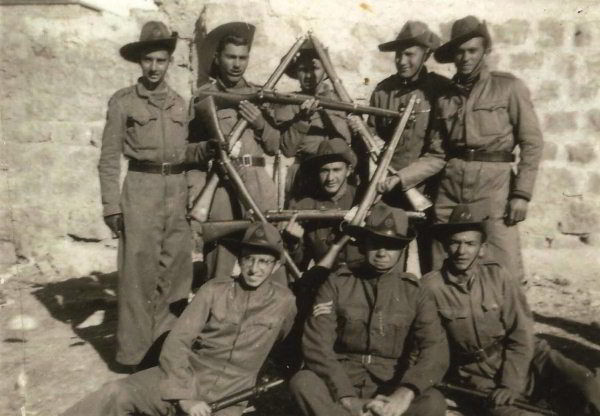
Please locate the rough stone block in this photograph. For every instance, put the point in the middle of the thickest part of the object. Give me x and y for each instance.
(580, 218)
(592, 62)
(8, 254)
(593, 119)
(560, 122)
(581, 152)
(550, 150)
(553, 183)
(585, 32)
(547, 91)
(551, 33)
(565, 66)
(512, 32)
(525, 60)
(593, 184)
(584, 92)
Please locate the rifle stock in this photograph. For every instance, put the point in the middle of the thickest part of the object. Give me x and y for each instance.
(371, 193)
(201, 208)
(244, 395)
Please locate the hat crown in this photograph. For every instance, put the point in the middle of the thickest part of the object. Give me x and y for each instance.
(388, 221)
(266, 235)
(465, 26)
(336, 146)
(412, 29)
(154, 31)
(463, 214)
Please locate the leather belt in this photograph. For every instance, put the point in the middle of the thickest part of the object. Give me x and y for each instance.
(157, 168)
(479, 355)
(474, 155)
(249, 160)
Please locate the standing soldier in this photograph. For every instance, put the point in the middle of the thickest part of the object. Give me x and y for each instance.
(480, 120)
(304, 127)
(147, 123)
(490, 330)
(225, 55)
(412, 47)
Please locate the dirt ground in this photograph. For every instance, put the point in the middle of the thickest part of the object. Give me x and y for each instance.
(58, 334)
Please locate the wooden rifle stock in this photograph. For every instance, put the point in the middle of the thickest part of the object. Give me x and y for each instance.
(418, 201)
(371, 193)
(201, 207)
(244, 395)
(243, 194)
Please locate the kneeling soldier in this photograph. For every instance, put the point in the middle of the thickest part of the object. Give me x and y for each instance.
(354, 342)
(490, 329)
(218, 344)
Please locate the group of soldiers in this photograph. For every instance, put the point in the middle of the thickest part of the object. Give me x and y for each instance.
(362, 336)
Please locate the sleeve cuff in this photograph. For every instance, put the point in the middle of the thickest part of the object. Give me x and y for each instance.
(111, 210)
(520, 194)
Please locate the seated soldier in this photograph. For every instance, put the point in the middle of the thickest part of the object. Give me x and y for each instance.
(354, 341)
(218, 344)
(490, 330)
(304, 127)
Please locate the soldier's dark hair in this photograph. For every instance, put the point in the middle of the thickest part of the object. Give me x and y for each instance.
(233, 40)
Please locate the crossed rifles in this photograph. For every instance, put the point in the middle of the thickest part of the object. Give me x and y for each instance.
(199, 211)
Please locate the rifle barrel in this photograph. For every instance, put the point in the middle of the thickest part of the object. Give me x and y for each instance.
(244, 395)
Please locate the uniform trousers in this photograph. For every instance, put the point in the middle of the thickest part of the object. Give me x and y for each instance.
(155, 264)
(313, 397)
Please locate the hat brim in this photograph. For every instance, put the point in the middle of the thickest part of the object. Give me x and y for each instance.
(445, 229)
(291, 70)
(445, 53)
(131, 51)
(239, 245)
(317, 161)
(431, 42)
(361, 233)
(208, 47)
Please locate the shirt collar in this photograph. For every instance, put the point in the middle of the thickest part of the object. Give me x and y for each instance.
(143, 92)
(242, 83)
(462, 282)
(409, 83)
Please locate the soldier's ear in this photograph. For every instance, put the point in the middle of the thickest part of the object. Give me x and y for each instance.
(276, 267)
(482, 250)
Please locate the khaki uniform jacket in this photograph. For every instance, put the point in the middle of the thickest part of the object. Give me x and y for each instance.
(222, 339)
(141, 128)
(489, 309)
(496, 116)
(393, 93)
(360, 324)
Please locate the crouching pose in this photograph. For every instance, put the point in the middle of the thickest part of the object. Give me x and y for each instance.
(490, 331)
(217, 346)
(354, 342)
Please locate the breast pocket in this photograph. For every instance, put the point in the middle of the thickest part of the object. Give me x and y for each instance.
(140, 130)
(491, 117)
(178, 126)
(492, 319)
(394, 334)
(351, 330)
(455, 323)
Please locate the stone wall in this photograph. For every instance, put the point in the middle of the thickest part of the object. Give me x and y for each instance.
(61, 64)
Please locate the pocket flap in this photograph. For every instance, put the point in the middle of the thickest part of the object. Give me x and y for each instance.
(452, 314)
(141, 117)
(490, 306)
(489, 105)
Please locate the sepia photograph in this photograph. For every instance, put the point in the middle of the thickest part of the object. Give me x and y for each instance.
(309, 208)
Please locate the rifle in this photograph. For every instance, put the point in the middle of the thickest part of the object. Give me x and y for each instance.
(371, 193)
(522, 404)
(244, 395)
(228, 99)
(244, 195)
(201, 208)
(416, 198)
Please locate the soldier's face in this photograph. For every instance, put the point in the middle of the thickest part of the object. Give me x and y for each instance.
(310, 73)
(468, 55)
(464, 248)
(154, 66)
(409, 61)
(232, 62)
(332, 176)
(382, 254)
(257, 267)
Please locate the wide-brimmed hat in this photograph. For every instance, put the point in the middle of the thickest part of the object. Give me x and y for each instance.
(307, 51)
(384, 222)
(463, 30)
(154, 35)
(332, 150)
(262, 236)
(208, 46)
(412, 33)
(462, 218)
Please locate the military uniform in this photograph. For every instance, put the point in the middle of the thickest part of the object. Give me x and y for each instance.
(150, 129)
(216, 348)
(359, 347)
(250, 160)
(490, 333)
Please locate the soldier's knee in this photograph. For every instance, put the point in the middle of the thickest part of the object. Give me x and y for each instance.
(304, 381)
(119, 392)
(430, 403)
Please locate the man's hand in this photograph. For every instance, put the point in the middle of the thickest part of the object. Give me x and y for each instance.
(356, 124)
(252, 115)
(503, 396)
(115, 223)
(397, 403)
(324, 308)
(388, 184)
(195, 407)
(308, 108)
(354, 405)
(294, 229)
(213, 148)
(516, 211)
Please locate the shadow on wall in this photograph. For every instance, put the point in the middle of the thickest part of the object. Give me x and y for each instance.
(589, 332)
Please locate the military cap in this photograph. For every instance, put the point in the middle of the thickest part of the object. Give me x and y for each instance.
(208, 46)
(462, 218)
(307, 51)
(153, 36)
(384, 222)
(412, 33)
(332, 150)
(262, 236)
(463, 30)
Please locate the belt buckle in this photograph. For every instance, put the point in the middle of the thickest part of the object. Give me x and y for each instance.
(165, 169)
(469, 155)
(366, 359)
(247, 160)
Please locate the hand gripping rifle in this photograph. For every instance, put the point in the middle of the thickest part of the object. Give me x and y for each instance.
(416, 198)
(210, 110)
(201, 208)
(371, 193)
(244, 395)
